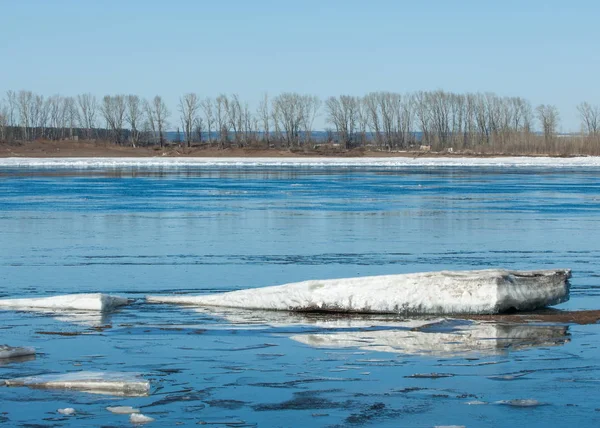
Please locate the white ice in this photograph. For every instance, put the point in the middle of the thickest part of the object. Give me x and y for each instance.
(67, 411)
(15, 352)
(112, 383)
(315, 162)
(138, 418)
(476, 338)
(436, 293)
(122, 410)
(82, 302)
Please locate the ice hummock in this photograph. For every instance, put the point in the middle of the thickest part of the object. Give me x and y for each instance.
(82, 302)
(15, 352)
(488, 291)
(112, 383)
(472, 338)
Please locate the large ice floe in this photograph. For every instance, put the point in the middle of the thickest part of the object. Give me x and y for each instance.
(109, 383)
(437, 293)
(465, 339)
(78, 302)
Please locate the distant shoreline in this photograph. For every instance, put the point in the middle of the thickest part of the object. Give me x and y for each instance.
(70, 149)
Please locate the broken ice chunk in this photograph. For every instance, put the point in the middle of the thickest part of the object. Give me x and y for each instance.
(15, 352)
(112, 383)
(122, 410)
(84, 302)
(138, 418)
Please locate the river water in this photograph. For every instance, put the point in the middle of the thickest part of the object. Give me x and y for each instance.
(134, 230)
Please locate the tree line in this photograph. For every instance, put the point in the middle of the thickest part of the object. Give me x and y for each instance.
(436, 120)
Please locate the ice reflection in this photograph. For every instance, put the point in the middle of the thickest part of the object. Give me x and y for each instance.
(474, 338)
(241, 318)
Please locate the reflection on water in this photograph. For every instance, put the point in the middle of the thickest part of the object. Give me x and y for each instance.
(474, 338)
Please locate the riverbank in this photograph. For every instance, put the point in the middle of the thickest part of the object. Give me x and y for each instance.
(85, 149)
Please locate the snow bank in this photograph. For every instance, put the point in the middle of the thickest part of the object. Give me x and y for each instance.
(15, 352)
(314, 162)
(84, 302)
(113, 383)
(464, 340)
(461, 292)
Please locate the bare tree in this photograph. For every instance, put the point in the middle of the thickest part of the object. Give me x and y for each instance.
(342, 112)
(264, 114)
(548, 116)
(160, 114)
(87, 112)
(113, 111)
(590, 118)
(189, 105)
(209, 116)
(134, 115)
(222, 119)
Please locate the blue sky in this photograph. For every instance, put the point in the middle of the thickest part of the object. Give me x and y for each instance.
(546, 51)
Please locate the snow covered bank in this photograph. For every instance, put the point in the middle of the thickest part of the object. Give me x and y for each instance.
(15, 352)
(112, 383)
(316, 162)
(464, 340)
(460, 292)
(82, 302)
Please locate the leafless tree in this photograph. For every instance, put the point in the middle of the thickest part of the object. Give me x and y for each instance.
(342, 112)
(87, 112)
(113, 110)
(590, 118)
(548, 117)
(134, 115)
(222, 119)
(160, 114)
(209, 116)
(263, 112)
(189, 105)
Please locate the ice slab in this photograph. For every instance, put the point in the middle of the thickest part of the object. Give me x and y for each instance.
(463, 340)
(82, 302)
(123, 410)
(15, 352)
(138, 418)
(110, 383)
(489, 291)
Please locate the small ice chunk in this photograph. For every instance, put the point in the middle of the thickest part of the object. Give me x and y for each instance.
(15, 352)
(476, 403)
(520, 402)
(123, 410)
(138, 418)
(448, 292)
(83, 302)
(112, 383)
(67, 411)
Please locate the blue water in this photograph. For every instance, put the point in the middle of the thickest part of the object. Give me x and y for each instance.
(137, 231)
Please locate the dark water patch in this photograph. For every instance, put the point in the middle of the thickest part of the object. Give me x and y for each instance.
(305, 400)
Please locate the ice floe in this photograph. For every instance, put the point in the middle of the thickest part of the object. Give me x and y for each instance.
(110, 383)
(314, 162)
(123, 410)
(469, 339)
(489, 291)
(82, 302)
(138, 418)
(15, 352)
(66, 411)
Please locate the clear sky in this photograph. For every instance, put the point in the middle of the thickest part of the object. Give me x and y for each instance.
(545, 51)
